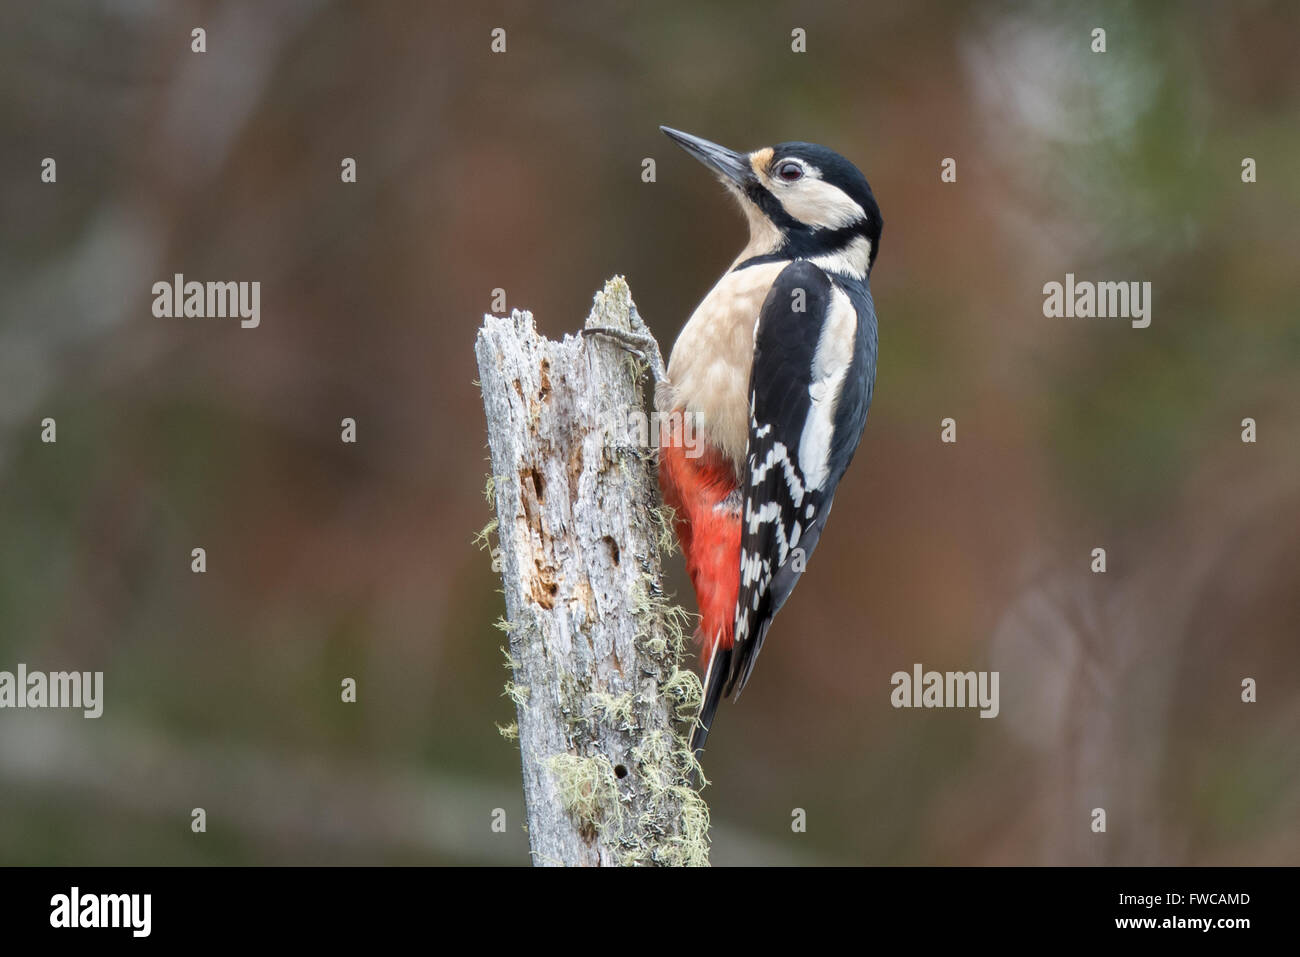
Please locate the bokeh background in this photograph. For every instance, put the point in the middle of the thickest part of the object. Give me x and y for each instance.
(522, 171)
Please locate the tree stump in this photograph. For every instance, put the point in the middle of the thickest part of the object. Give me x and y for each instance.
(595, 646)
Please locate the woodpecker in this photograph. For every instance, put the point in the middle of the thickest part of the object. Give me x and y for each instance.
(774, 372)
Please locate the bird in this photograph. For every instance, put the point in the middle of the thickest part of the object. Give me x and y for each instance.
(764, 399)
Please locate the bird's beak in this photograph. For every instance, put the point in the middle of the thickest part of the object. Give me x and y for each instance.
(733, 167)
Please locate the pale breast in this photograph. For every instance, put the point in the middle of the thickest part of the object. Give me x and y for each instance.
(710, 362)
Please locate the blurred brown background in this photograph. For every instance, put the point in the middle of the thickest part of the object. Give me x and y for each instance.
(522, 171)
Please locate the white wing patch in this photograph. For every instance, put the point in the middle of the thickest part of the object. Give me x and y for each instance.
(830, 367)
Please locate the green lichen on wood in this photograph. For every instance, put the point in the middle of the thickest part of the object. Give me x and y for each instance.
(676, 819)
(663, 518)
(588, 789)
(686, 692)
(517, 693)
(616, 711)
(483, 537)
(661, 622)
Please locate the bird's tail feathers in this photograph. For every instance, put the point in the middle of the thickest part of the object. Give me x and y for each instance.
(715, 679)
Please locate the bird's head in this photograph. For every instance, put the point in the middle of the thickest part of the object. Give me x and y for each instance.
(802, 201)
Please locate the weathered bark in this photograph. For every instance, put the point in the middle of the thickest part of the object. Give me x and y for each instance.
(595, 646)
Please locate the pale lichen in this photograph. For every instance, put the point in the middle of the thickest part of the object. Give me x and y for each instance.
(517, 693)
(676, 815)
(661, 622)
(483, 537)
(588, 789)
(663, 518)
(685, 690)
(618, 711)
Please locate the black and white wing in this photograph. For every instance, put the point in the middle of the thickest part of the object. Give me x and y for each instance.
(810, 386)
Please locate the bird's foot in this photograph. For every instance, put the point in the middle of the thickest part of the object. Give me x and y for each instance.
(642, 345)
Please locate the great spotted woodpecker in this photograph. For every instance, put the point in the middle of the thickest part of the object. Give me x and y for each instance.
(774, 372)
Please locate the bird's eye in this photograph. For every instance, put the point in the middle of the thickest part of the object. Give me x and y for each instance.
(789, 171)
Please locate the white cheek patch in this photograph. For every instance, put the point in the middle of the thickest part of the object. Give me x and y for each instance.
(817, 203)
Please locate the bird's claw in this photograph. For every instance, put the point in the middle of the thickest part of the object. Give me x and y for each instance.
(642, 345)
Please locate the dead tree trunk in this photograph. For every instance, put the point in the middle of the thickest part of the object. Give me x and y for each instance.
(594, 644)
